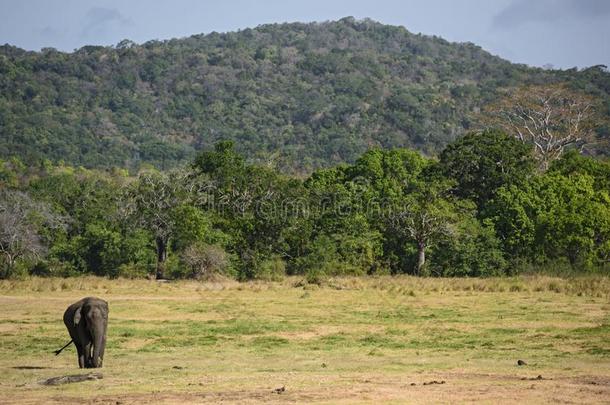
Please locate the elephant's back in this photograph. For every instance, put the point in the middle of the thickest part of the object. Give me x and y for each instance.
(95, 301)
(83, 302)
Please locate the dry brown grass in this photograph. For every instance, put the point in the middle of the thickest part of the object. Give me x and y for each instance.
(593, 285)
(351, 340)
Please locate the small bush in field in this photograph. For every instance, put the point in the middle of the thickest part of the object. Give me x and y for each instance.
(273, 269)
(204, 261)
(316, 275)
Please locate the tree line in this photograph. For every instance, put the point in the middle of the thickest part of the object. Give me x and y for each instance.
(486, 206)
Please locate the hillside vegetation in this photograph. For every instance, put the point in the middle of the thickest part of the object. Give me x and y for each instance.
(301, 95)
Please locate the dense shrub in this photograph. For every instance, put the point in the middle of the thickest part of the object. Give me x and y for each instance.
(204, 262)
(271, 269)
(470, 250)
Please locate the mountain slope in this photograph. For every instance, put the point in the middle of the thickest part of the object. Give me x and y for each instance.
(305, 95)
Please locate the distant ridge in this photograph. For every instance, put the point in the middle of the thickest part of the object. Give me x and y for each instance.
(301, 95)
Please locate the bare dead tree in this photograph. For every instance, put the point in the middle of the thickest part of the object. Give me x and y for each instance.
(422, 227)
(551, 118)
(20, 220)
(148, 202)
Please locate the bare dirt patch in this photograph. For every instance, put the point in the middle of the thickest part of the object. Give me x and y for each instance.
(456, 388)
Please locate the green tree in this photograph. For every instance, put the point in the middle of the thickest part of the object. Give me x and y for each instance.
(481, 162)
(471, 249)
(101, 250)
(573, 164)
(82, 195)
(424, 217)
(554, 216)
(252, 203)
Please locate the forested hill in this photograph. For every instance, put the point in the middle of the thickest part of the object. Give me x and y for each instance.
(302, 95)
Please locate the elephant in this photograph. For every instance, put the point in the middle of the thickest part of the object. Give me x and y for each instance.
(87, 322)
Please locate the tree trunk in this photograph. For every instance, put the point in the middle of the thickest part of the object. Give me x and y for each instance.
(7, 269)
(421, 257)
(161, 257)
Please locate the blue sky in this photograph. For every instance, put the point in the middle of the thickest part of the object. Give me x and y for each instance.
(563, 33)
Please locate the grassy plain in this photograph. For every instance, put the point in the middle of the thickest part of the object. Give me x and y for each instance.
(352, 340)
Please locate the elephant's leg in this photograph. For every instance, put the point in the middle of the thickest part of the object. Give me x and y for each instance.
(83, 342)
(80, 352)
(88, 356)
(76, 339)
(97, 325)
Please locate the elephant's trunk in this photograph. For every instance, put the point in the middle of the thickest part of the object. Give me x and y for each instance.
(98, 344)
(98, 337)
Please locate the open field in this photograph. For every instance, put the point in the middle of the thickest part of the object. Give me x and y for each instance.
(350, 341)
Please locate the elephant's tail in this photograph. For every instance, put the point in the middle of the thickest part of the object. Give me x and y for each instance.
(59, 351)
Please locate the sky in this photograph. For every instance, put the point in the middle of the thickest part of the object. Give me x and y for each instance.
(558, 33)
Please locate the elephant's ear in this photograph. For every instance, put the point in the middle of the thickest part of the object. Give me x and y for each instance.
(77, 315)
